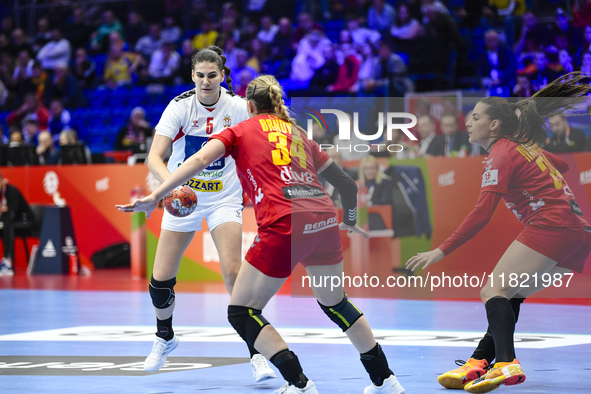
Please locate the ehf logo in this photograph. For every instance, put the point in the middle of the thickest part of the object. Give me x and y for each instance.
(227, 121)
(447, 178)
(585, 177)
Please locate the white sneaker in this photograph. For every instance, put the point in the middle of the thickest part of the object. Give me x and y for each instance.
(291, 389)
(5, 269)
(390, 386)
(261, 369)
(160, 351)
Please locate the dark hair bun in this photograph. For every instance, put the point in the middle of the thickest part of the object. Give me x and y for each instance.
(216, 49)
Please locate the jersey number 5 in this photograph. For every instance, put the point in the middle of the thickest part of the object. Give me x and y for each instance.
(544, 165)
(209, 126)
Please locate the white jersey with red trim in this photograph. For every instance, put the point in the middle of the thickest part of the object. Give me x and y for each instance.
(189, 124)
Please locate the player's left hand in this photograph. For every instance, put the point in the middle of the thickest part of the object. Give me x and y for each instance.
(354, 229)
(146, 204)
(426, 258)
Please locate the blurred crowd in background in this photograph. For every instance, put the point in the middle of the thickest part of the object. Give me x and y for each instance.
(102, 72)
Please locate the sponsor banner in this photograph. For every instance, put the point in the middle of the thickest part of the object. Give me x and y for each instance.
(295, 335)
(104, 365)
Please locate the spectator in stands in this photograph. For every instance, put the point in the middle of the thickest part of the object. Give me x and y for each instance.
(309, 56)
(110, 24)
(426, 128)
(434, 5)
(586, 63)
(171, 32)
(77, 31)
(367, 70)
(149, 43)
(136, 28)
(258, 56)
(378, 184)
(405, 29)
(164, 64)
(305, 25)
(120, 67)
(380, 16)
(84, 69)
(4, 43)
(249, 31)
(449, 104)
(13, 209)
(534, 36)
(442, 36)
(6, 25)
(46, 150)
(497, 66)
(523, 87)
(452, 143)
(586, 47)
(31, 108)
(390, 76)
(60, 118)
(543, 74)
(35, 84)
(133, 135)
(207, 35)
(244, 78)
(227, 30)
(230, 51)
(16, 137)
(116, 40)
(185, 66)
(361, 35)
(23, 69)
(43, 35)
(281, 51)
(565, 138)
(6, 68)
(18, 43)
(70, 137)
(56, 51)
(241, 58)
(326, 75)
(563, 30)
(268, 30)
(62, 85)
(348, 72)
(582, 13)
(566, 61)
(31, 131)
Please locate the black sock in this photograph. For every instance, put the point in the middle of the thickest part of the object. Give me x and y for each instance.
(288, 364)
(164, 329)
(252, 350)
(486, 347)
(501, 321)
(376, 365)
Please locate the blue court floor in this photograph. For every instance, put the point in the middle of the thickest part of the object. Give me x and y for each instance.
(54, 341)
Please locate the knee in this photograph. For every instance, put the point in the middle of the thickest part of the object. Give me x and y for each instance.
(162, 292)
(229, 275)
(344, 314)
(247, 322)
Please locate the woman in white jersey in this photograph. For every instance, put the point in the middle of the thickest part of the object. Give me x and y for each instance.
(187, 123)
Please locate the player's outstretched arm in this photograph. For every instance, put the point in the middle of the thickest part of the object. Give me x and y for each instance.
(158, 150)
(212, 151)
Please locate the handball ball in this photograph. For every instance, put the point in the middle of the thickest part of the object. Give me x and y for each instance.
(181, 202)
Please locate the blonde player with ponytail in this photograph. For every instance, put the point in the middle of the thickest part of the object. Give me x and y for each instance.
(278, 167)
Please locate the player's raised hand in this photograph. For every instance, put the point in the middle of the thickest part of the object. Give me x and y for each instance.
(146, 204)
(426, 258)
(354, 229)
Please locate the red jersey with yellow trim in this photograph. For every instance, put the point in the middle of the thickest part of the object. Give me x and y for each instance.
(276, 165)
(532, 187)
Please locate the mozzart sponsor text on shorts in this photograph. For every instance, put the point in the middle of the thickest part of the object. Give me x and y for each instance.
(437, 281)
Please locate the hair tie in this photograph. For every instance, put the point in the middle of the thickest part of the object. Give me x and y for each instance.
(514, 107)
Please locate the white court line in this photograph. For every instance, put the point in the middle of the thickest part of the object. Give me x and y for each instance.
(295, 335)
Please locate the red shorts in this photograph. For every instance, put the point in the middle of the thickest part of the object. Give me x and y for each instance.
(310, 238)
(568, 246)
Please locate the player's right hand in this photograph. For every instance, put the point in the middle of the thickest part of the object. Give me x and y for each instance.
(354, 229)
(146, 204)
